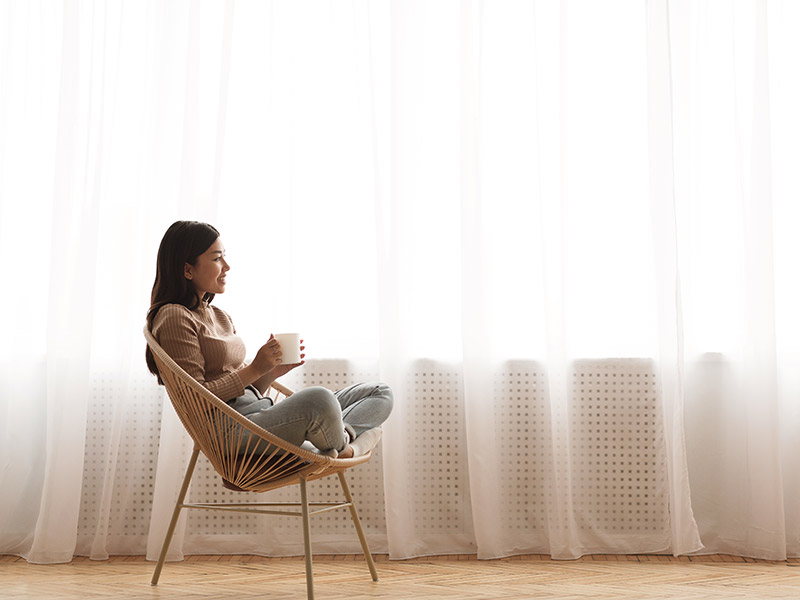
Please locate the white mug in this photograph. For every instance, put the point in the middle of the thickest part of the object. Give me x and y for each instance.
(290, 346)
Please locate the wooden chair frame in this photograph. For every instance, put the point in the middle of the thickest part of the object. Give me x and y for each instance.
(249, 459)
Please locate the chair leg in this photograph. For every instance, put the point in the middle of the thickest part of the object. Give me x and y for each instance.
(357, 522)
(175, 514)
(307, 540)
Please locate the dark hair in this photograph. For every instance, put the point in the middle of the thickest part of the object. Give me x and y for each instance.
(183, 242)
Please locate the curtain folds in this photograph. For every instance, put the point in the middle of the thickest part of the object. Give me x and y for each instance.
(563, 232)
(671, 352)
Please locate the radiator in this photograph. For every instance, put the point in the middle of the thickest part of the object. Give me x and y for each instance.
(616, 461)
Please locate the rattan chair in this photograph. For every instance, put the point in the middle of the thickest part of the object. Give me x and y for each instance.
(249, 459)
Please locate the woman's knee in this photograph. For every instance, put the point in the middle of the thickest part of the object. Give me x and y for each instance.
(384, 398)
(322, 402)
(373, 410)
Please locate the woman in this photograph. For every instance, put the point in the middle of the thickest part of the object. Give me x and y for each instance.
(191, 269)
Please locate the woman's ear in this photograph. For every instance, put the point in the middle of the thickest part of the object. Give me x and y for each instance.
(187, 271)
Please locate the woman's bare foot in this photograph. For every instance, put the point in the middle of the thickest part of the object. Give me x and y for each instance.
(348, 452)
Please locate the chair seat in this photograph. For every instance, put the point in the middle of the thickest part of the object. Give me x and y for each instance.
(287, 465)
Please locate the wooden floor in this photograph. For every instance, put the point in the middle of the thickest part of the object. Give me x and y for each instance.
(345, 577)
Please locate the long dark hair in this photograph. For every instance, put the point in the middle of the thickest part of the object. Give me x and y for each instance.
(183, 242)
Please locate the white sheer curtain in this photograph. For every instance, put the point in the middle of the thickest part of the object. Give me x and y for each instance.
(736, 147)
(486, 204)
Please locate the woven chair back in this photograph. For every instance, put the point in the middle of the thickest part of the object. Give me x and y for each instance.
(247, 457)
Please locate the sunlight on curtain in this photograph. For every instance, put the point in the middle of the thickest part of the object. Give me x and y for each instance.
(487, 204)
(297, 196)
(735, 138)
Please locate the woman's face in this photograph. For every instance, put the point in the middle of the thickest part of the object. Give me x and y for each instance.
(208, 274)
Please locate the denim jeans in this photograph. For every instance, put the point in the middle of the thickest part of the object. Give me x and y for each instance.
(326, 419)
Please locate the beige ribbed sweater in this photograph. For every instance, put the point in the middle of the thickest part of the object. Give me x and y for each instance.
(204, 343)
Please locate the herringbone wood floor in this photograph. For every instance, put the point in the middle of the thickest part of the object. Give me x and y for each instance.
(462, 577)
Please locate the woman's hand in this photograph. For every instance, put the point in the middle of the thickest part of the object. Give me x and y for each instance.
(268, 356)
(267, 365)
(263, 382)
(269, 359)
(281, 369)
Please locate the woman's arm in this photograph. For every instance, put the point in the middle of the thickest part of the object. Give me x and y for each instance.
(177, 331)
(262, 383)
(265, 368)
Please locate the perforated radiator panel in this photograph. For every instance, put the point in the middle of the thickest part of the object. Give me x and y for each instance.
(616, 458)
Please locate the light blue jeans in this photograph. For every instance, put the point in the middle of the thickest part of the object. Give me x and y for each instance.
(329, 420)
